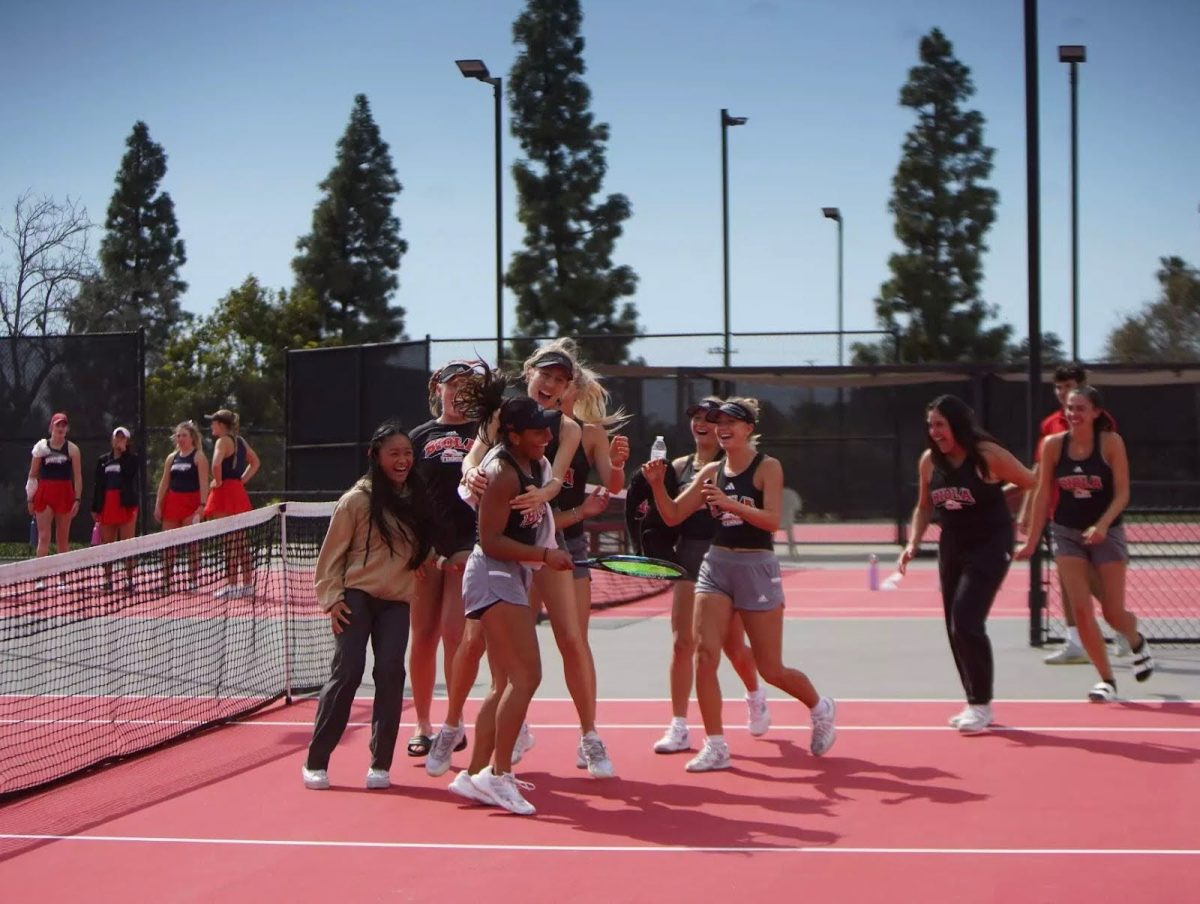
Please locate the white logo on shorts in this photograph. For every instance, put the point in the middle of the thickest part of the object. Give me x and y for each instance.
(762, 598)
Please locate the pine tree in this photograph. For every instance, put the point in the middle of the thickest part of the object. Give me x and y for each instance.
(564, 279)
(943, 210)
(349, 260)
(140, 254)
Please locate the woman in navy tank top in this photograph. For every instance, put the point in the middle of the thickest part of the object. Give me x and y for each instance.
(182, 494)
(55, 485)
(233, 464)
(961, 477)
(740, 572)
(1088, 467)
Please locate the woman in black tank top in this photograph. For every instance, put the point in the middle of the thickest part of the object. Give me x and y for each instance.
(1089, 470)
(961, 477)
(548, 373)
(497, 574)
(744, 493)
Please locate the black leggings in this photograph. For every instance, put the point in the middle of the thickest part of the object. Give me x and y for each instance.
(971, 572)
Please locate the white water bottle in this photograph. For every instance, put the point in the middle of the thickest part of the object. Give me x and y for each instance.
(659, 449)
(873, 572)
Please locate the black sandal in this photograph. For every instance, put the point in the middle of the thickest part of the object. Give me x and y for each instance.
(419, 745)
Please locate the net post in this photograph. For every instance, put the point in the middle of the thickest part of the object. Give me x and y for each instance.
(287, 613)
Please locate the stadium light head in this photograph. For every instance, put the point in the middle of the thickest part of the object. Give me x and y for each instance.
(1072, 53)
(476, 69)
(832, 213)
(727, 120)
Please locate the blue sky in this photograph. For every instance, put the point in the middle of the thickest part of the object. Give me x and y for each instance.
(249, 99)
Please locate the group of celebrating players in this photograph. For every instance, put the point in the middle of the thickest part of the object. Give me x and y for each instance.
(468, 525)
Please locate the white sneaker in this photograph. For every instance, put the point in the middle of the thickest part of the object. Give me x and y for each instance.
(463, 786)
(524, 744)
(977, 720)
(760, 716)
(1103, 692)
(1121, 647)
(444, 742)
(823, 731)
(675, 738)
(315, 779)
(1070, 654)
(713, 755)
(592, 756)
(504, 791)
(964, 713)
(377, 779)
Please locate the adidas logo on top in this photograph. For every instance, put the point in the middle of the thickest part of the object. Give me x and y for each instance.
(1078, 469)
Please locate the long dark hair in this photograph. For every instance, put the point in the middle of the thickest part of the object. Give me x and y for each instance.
(412, 511)
(1103, 420)
(482, 397)
(966, 432)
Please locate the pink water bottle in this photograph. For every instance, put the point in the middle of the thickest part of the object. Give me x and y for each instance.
(873, 572)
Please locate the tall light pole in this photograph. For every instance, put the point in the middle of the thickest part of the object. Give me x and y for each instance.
(726, 122)
(832, 213)
(1074, 54)
(477, 69)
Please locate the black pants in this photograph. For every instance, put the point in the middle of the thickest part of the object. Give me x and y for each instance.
(971, 570)
(385, 624)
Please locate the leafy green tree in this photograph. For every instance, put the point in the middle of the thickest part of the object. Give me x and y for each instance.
(234, 358)
(350, 259)
(943, 211)
(564, 279)
(1167, 329)
(140, 254)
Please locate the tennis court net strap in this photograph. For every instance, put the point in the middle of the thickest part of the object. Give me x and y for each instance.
(116, 649)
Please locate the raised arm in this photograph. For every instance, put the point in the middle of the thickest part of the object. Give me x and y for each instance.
(677, 510)
(608, 457)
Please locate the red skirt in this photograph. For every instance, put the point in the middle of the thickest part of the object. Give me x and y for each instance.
(56, 495)
(113, 512)
(229, 498)
(180, 506)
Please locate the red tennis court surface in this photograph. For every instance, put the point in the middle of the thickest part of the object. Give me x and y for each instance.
(1064, 802)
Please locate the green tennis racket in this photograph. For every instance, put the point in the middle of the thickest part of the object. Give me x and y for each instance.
(636, 567)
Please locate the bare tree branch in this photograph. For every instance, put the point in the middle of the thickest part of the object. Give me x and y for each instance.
(44, 259)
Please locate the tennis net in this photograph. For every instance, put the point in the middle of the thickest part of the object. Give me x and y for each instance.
(113, 650)
(1160, 581)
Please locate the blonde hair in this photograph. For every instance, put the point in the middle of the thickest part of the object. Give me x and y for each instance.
(193, 431)
(755, 408)
(591, 402)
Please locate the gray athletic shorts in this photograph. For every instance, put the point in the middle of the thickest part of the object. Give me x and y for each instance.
(689, 554)
(751, 579)
(487, 581)
(1067, 541)
(578, 548)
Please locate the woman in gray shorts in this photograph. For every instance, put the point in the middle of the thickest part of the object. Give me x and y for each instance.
(686, 546)
(512, 542)
(740, 572)
(1089, 467)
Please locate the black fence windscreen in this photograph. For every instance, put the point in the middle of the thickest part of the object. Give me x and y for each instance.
(95, 378)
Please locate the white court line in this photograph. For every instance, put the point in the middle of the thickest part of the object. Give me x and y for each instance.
(949, 701)
(611, 849)
(634, 726)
